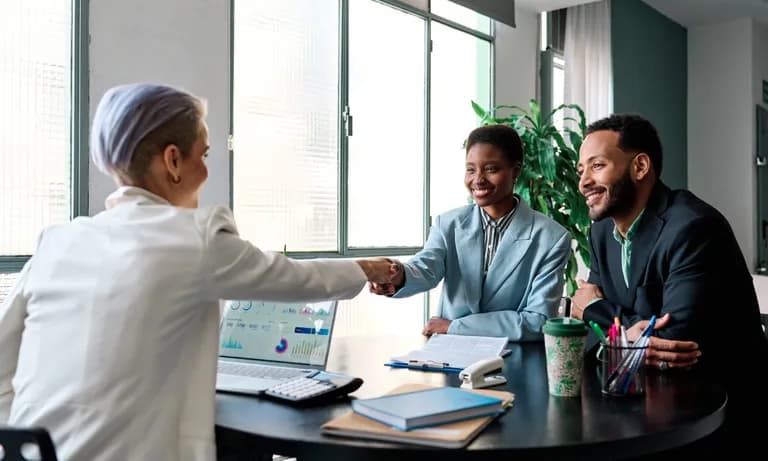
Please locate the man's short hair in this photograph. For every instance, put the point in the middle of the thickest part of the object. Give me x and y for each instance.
(636, 134)
(504, 137)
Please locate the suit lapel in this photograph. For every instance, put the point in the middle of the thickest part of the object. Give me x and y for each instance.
(514, 243)
(648, 231)
(469, 245)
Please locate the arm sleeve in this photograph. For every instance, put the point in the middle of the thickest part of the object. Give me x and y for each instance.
(427, 267)
(12, 313)
(526, 323)
(689, 285)
(236, 269)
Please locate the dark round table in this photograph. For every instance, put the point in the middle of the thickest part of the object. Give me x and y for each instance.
(677, 409)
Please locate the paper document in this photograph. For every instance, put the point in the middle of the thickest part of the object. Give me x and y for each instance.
(455, 351)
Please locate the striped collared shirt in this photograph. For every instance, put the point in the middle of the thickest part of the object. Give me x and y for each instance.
(492, 232)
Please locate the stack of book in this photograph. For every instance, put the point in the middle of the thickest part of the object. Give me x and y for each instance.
(417, 413)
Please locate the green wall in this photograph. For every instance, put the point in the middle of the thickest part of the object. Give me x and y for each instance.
(649, 54)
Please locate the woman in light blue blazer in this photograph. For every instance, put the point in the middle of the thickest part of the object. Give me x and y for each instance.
(502, 262)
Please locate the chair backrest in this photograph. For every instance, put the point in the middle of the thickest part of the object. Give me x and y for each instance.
(13, 440)
(764, 321)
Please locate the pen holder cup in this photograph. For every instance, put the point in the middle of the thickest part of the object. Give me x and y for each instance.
(621, 369)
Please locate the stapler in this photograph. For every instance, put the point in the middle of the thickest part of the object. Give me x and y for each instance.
(476, 375)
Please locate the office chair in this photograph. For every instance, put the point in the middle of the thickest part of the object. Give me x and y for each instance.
(13, 439)
(764, 321)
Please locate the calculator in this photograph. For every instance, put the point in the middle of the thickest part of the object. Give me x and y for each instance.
(313, 389)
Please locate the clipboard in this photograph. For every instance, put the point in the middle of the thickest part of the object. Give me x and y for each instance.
(424, 366)
(450, 353)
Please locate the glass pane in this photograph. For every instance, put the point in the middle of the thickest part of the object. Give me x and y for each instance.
(461, 15)
(6, 284)
(386, 94)
(461, 73)
(285, 93)
(372, 315)
(35, 76)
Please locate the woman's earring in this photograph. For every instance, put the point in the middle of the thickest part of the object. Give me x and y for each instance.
(176, 179)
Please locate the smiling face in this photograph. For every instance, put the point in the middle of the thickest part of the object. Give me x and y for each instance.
(490, 179)
(606, 176)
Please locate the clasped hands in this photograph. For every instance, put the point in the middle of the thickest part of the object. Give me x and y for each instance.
(661, 353)
(381, 271)
(388, 288)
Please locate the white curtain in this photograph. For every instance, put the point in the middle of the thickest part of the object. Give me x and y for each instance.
(588, 66)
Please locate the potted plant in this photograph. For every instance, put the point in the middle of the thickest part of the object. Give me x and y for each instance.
(549, 181)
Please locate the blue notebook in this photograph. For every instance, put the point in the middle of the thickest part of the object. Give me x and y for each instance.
(427, 408)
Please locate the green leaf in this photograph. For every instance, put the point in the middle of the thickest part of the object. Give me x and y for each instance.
(479, 111)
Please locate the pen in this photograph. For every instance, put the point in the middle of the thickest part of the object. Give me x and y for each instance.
(598, 332)
(428, 364)
(649, 329)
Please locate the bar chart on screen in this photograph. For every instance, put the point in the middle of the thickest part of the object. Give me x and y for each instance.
(307, 351)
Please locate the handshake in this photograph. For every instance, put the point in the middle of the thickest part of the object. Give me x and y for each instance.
(385, 275)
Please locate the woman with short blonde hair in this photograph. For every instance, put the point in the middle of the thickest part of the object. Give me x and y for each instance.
(110, 337)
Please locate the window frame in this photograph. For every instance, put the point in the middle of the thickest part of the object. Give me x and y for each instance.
(78, 138)
(344, 251)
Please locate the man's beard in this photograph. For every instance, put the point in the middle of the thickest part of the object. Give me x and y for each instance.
(621, 198)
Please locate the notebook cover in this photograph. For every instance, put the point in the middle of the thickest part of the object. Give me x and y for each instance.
(427, 407)
(451, 435)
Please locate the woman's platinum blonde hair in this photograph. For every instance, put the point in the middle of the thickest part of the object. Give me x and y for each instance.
(134, 122)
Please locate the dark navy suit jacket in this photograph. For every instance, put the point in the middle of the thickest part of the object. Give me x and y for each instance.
(686, 261)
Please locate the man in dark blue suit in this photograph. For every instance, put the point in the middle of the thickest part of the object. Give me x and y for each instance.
(669, 254)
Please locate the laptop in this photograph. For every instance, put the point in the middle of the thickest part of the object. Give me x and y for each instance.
(262, 344)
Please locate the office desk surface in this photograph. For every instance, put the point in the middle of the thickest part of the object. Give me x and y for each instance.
(678, 408)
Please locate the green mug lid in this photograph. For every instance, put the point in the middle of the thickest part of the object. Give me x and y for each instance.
(565, 326)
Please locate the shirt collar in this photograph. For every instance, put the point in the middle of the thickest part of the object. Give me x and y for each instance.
(487, 220)
(631, 232)
(131, 194)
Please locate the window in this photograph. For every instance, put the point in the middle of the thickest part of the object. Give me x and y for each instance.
(41, 174)
(386, 98)
(349, 118)
(285, 123)
(552, 40)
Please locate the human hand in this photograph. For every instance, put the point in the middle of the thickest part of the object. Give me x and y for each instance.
(583, 296)
(665, 353)
(380, 270)
(436, 325)
(389, 288)
(382, 289)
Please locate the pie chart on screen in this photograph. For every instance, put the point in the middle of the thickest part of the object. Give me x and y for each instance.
(282, 346)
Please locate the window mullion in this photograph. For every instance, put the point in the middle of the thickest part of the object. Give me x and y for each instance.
(343, 150)
(80, 110)
(12, 263)
(427, 131)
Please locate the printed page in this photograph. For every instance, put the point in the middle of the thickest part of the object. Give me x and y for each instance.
(456, 351)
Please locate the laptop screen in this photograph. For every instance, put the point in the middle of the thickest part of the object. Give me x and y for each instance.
(294, 333)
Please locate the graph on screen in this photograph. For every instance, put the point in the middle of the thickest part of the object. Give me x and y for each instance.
(281, 332)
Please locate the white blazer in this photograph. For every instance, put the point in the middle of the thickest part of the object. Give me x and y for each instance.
(110, 337)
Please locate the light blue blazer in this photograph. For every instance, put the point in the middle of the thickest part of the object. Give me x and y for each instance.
(522, 287)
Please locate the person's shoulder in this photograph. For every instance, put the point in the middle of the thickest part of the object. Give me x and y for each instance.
(685, 208)
(214, 219)
(456, 214)
(543, 223)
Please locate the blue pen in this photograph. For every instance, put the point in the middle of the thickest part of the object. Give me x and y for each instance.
(649, 329)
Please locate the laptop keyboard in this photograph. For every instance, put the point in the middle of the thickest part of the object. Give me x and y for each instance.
(258, 371)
